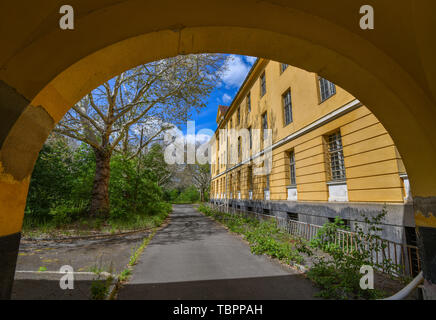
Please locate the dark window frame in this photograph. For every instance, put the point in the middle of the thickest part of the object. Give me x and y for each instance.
(327, 89)
(283, 67)
(263, 84)
(287, 107)
(249, 102)
(292, 171)
(336, 157)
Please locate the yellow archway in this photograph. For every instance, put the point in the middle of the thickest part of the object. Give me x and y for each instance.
(45, 70)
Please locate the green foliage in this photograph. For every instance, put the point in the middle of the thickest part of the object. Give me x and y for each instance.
(132, 191)
(264, 236)
(62, 181)
(100, 289)
(124, 275)
(188, 195)
(338, 275)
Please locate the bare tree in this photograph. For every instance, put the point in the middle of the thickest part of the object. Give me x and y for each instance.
(132, 110)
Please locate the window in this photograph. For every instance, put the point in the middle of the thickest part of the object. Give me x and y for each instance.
(292, 168)
(292, 216)
(250, 178)
(327, 89)
(239, 149)
(265, 125)
(336, 155)
(250, 137)
(249, 102)
(287, 105)
(239, 116)
(230, 125)
(262, 84)
(267, 182)
(283, 67)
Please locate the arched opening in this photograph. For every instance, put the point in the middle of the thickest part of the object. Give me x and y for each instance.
(46, 70)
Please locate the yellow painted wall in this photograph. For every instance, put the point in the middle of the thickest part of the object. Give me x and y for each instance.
(372, 161)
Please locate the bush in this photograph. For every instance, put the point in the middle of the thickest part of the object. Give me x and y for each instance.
(61, 186)
(338, 275)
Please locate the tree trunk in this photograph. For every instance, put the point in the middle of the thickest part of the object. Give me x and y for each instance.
(100, 191)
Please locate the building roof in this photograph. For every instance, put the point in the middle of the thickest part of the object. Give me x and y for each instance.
(222, 110)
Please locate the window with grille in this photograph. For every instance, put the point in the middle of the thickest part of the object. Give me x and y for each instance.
(287, 105)
(249, 102)
(267, 182)
(262, 84)
(337, 166)
(283, 67)
(292, 168)
(327, 89)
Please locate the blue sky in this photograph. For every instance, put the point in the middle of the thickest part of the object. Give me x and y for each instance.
(238, 68)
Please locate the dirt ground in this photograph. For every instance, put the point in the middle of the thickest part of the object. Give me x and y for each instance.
(107, 254)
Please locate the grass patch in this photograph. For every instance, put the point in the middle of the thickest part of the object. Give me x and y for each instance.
(86, 226)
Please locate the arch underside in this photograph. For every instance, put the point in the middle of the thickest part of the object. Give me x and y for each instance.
(45, 70)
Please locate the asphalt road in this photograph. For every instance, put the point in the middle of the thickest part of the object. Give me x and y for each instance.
(196, 258)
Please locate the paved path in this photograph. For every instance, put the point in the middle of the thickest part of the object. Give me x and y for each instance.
(194, 257)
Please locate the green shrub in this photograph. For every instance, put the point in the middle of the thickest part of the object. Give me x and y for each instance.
(338, 275)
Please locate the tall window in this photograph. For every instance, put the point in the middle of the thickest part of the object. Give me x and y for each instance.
(336, 154)
(249, 102)
(250, 178)
(283, 67)
(262, 84)
(239, 149)
(250, 137)
(238, 186)
(265, 125)
(292, 168)
(327, 89)
(239, 116)
(267, 182)
(287, 105)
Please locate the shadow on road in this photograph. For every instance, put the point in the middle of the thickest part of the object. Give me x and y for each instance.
(288, 287)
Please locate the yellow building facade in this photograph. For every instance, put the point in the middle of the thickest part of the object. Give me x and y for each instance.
(330, 155)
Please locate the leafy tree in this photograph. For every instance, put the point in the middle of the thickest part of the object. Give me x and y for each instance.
(61, 176)
(144, 101)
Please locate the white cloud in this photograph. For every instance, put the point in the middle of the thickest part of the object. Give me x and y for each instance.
(226, 98)
(198, 138)
(250, 59)
(236, 72)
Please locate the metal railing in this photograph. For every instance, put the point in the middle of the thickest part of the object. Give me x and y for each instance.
(403, 255)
